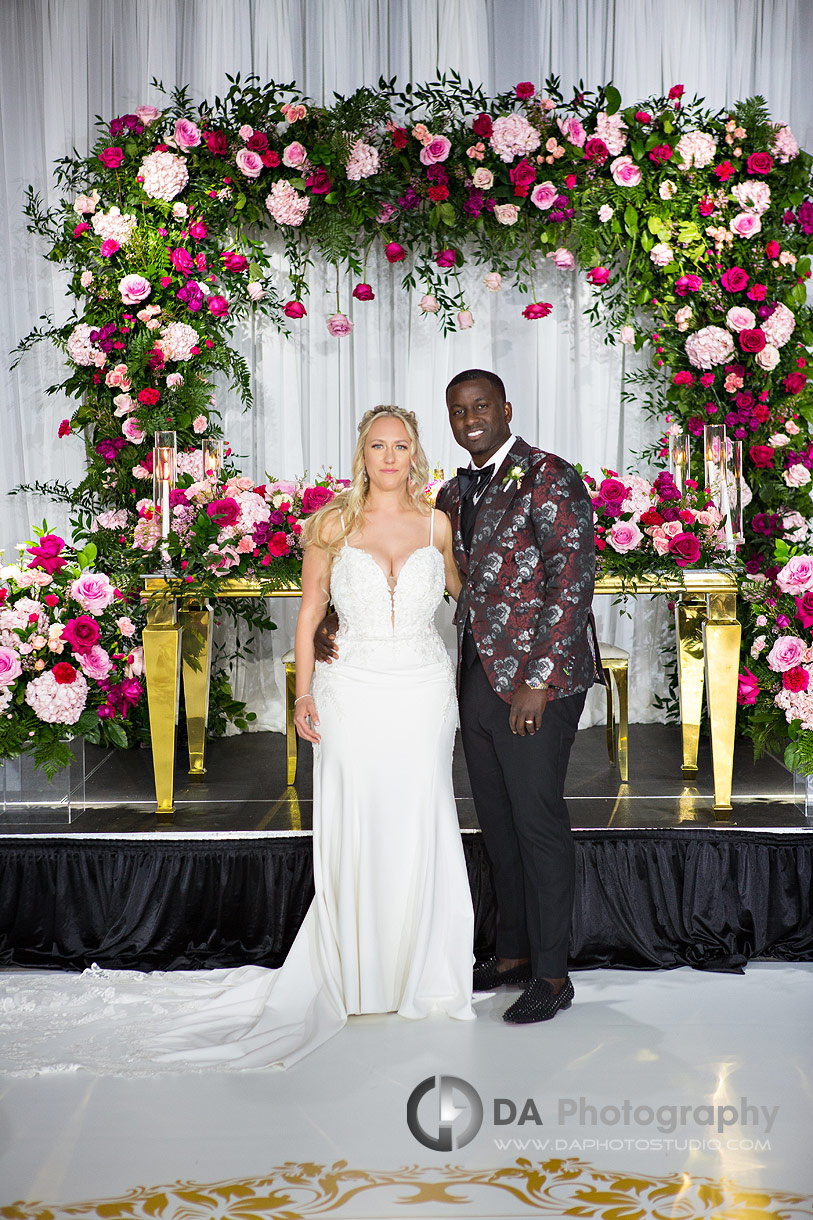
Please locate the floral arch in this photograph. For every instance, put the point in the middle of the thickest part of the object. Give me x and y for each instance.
(694, 228)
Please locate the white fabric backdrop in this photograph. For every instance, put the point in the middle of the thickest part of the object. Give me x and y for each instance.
(64, 61)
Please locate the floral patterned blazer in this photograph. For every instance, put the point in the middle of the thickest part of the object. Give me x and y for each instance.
(528, 578)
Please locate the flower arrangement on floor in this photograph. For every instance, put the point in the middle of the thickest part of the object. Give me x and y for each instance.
(70, 664)
(651, 529)
(776, 684)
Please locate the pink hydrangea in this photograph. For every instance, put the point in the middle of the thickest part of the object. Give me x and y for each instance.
(164, 175)
(709, 347)
(513, 136)
(113, 519)
(191, 464)
(796, 577)
(752, 196)
(784, 145)
(363, 161)
(779, 327)
(112, 225)
(57, 702)
(93, 591)
(788, 651)
(146, 534)
(611, 128)
(81, 350)
(286, 205)
(696, 149)
(177, 340)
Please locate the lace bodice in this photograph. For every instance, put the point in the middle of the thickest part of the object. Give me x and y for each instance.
(371, 613)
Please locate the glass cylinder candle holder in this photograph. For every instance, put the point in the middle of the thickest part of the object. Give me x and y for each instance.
(735, 487)
(164, 475)
(679, 454)
(714, 445)
(212, 458)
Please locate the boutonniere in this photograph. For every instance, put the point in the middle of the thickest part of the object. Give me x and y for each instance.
(515, 475)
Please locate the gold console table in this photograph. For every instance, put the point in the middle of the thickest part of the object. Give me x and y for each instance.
(178, 636)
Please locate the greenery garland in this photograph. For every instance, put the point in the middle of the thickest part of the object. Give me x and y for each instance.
(694, 228)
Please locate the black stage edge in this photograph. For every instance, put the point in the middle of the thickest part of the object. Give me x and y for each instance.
(645, 899)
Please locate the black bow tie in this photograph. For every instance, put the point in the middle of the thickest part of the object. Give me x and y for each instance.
(471, 481)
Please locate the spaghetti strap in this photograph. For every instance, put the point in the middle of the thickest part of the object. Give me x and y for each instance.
(432, 529)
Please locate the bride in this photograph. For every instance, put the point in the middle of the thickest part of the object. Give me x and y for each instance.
(390, 927)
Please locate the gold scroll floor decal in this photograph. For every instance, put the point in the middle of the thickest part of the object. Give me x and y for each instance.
(553, 1188)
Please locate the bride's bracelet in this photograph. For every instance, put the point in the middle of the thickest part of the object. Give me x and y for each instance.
(301, 697)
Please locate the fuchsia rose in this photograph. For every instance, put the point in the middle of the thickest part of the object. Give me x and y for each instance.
(182, 261)
(796, 679)
(537, 309)
(10, 667)
(93, 591)
(446, 258)
(598, 276)
(314, 498)
(224, 512)
(522, 175)
(81, 633)
(294, 309)
(794, 383)
(752, 340)
(685, 548)
(394, 252)
(788, 652)
(747, 689)
(804, 608)
(218, 306)
(759, 163)
(111, 158)
(363, 292)
(47, 554)
(796, 577)
(524, 90)
(435, 151)
(735, 279)
(318, 182)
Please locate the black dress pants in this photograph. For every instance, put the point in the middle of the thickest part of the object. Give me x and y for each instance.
(518, 787)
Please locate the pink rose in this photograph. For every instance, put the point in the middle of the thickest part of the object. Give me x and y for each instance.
(506, 213)
(429, 303)
(314, 498)
(624, 536)
(126, 626)
(339, 325)
(605, 213)
(797, 575)
(465, 319)
(747, 689)
(768, 358)
(10, 667)
(255, 290)
(739, 318)
(788, 651)
(543, 195)
(563, 259)
(134, 289)
(173, 380)
(493, 281)
(95, 663)
(93, 591)
(745, 224)
(660, 542)
(625, 172)
(249, 163)
(147, 114)
(435, 151)
(483, 178)
(294, 155)
(187, 134)
(133, 430)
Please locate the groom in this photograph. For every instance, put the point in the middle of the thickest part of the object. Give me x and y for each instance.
(522, 525)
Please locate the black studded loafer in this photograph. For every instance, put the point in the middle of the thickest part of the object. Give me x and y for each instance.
(538, 1002)
(487, 977)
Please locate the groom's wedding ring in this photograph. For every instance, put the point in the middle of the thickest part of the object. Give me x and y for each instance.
(529, 721)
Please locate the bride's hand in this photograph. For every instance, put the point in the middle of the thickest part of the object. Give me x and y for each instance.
(304, 712)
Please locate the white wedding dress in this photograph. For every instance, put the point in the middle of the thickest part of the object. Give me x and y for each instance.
(390, 928)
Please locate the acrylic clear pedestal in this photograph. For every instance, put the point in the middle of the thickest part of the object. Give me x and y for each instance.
(27, 796)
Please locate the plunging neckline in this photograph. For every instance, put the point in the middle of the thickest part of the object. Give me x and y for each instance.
(392, 588)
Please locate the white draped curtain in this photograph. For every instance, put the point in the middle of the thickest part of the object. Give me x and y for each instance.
(62, 62)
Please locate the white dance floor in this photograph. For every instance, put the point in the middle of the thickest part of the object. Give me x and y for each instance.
(658, 1094)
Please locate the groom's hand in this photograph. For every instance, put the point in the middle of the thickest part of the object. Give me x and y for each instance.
(527, 709)
(324, 638)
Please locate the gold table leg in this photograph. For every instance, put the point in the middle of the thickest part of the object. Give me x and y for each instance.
(721, 634)
(620, 674)
(161, 640)
(290, 732)
(196, 653)
(690, 614)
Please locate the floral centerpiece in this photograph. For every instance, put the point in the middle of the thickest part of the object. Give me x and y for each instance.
(646, 529)
(70, 664)
(777, 683)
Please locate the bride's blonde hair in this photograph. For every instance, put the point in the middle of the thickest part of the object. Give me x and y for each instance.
(348, 505)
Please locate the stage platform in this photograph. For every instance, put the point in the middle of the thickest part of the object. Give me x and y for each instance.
(660, 883)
